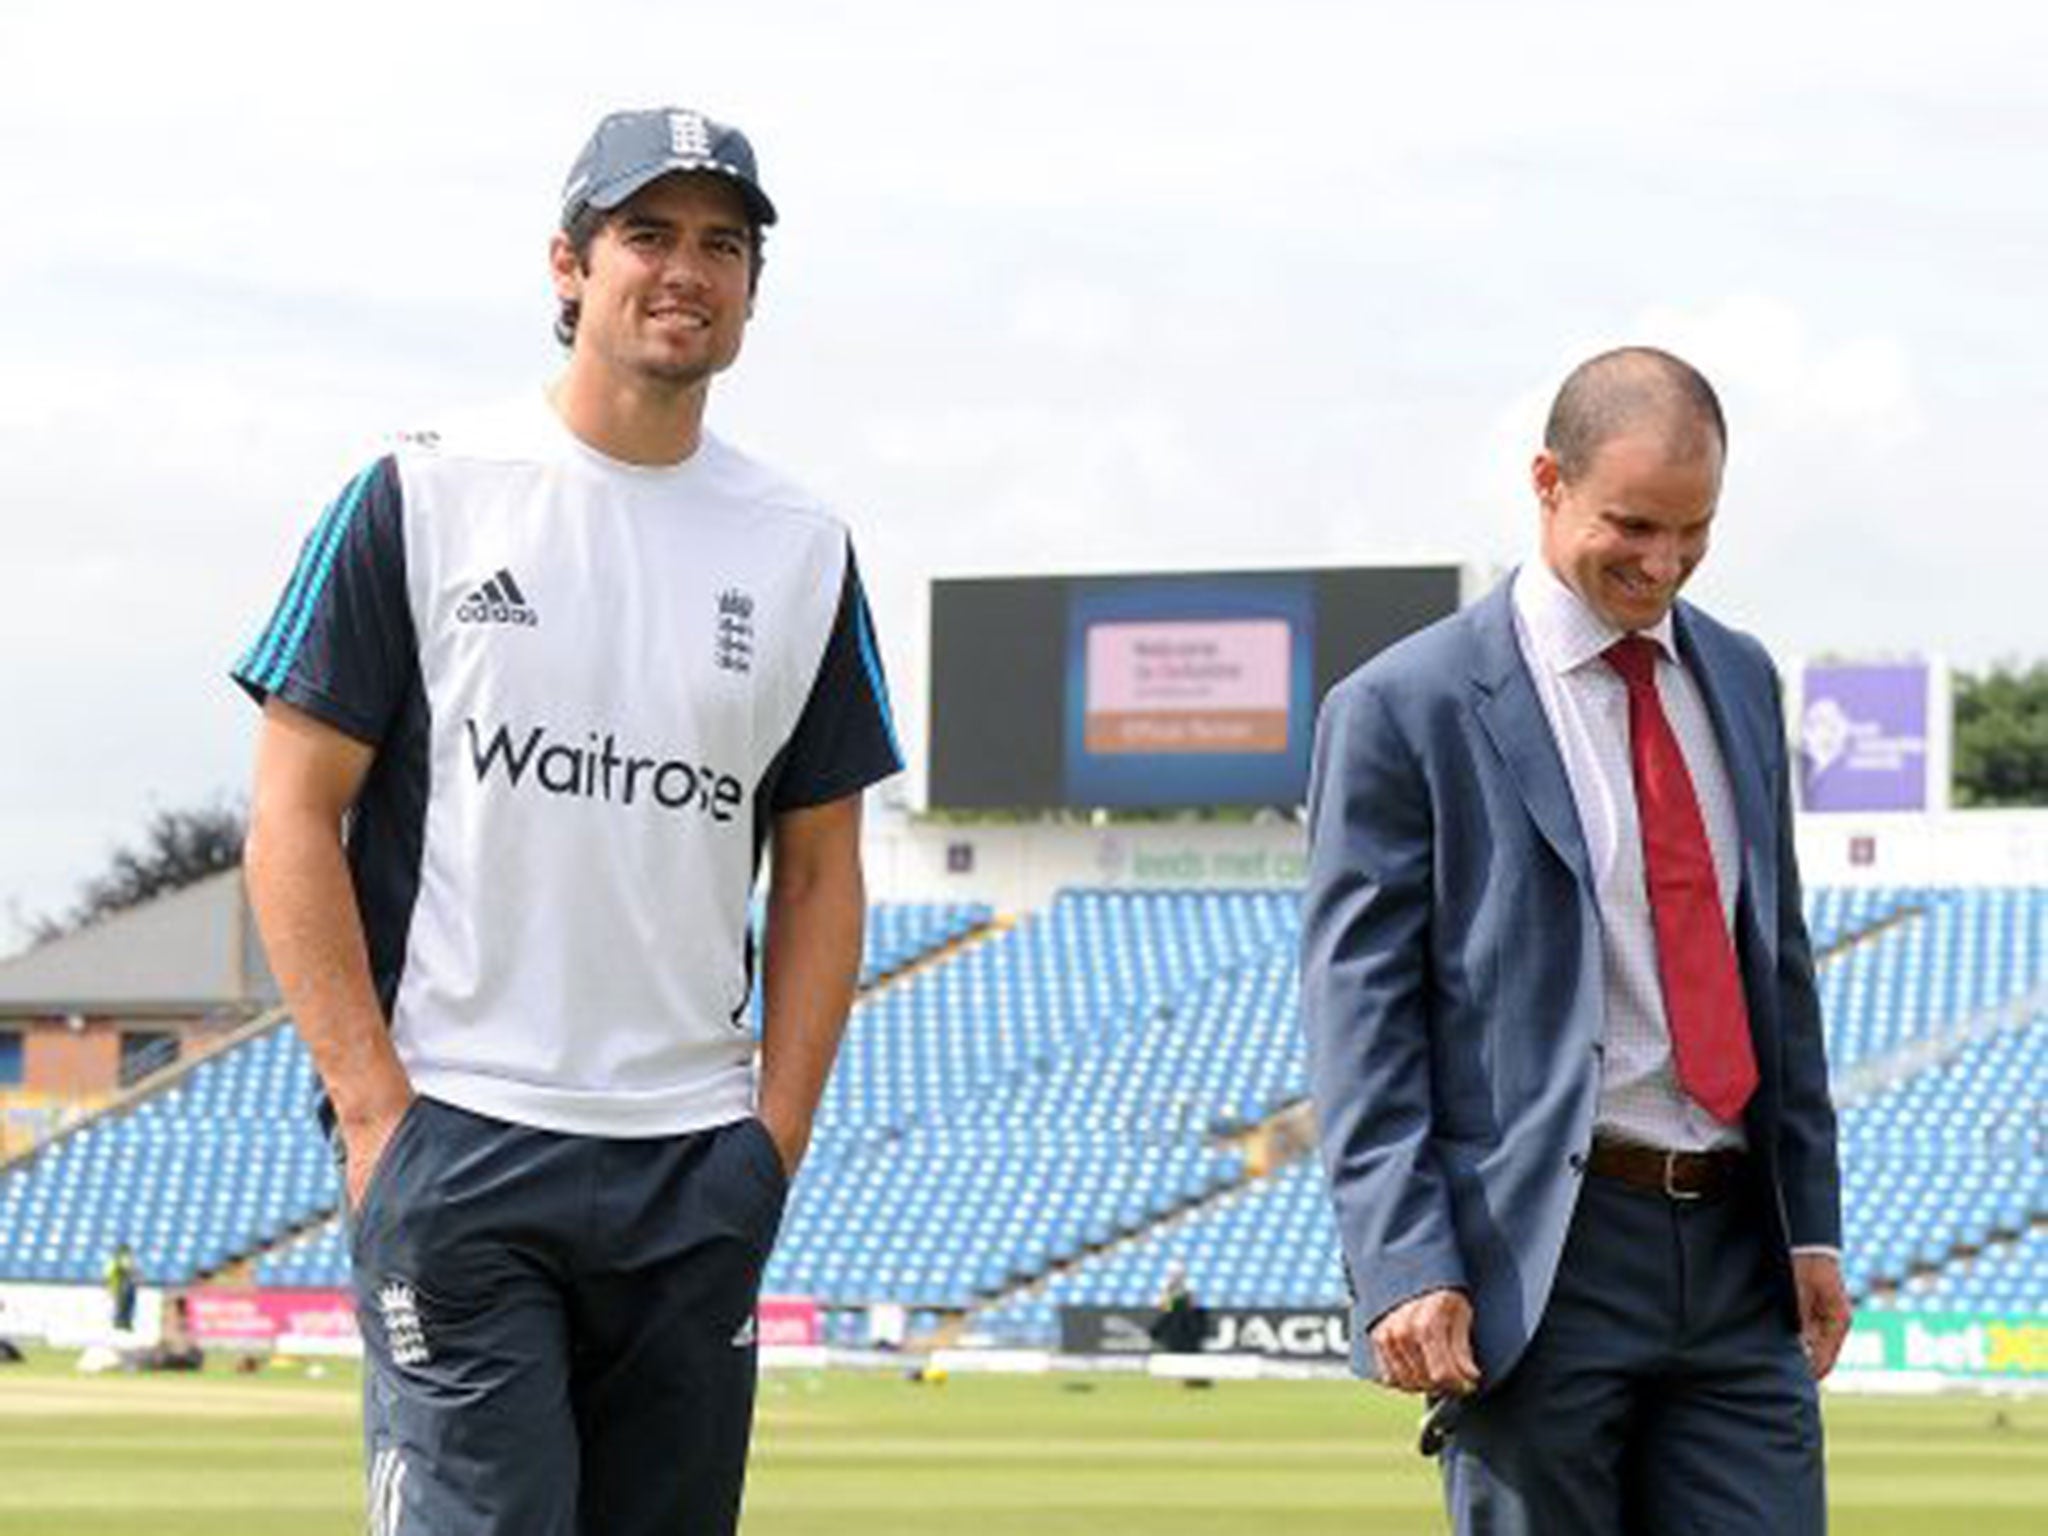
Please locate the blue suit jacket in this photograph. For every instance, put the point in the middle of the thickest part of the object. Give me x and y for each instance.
(1452, 973)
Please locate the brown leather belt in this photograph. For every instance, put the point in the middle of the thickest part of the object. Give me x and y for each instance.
(1676, 1175)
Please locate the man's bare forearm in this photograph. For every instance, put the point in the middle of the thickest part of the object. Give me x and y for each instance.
(810, 966)
(304, 901)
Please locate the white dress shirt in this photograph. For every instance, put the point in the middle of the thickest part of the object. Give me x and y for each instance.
(1586, 702)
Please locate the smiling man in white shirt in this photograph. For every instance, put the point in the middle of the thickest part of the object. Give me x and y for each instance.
(545, 686)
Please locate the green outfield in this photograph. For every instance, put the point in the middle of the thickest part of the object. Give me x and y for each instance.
(276, 1455)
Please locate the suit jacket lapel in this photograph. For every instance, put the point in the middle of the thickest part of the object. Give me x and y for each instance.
(1512, 716)
(1741, 752)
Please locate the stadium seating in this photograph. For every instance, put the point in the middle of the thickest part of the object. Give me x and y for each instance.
(229, 1160)
(902, 932)
(1949, 1159)
(2007, 1276)
(316, 1257)
(1045, 1116)
(1269, 1243)
(223, 1162)
(1840, 915)
(1046, 1092)
(1945, 957)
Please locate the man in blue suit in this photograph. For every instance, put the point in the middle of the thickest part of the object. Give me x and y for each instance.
(1564, 1042)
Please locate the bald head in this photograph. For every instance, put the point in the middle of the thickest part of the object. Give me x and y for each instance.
(1634, 391)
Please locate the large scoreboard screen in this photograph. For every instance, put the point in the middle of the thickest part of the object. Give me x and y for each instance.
(1151, 691)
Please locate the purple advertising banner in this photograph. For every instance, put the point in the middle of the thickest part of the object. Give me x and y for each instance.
(1863, 738)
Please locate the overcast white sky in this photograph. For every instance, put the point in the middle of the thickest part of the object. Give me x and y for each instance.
(1058, 286)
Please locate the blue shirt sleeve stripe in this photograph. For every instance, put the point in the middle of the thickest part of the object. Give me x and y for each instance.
(265, 644)
(873, 667)
(270, 676)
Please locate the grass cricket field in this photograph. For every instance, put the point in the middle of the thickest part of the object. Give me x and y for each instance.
(869, 1454)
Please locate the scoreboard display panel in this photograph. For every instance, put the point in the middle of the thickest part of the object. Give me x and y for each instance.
(1155, 691)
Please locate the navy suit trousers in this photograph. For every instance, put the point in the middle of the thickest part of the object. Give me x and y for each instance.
(1664, 1392)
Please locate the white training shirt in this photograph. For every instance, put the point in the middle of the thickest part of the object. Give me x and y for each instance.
(591, 686)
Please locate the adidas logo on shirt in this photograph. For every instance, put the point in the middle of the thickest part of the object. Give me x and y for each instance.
(497, 601)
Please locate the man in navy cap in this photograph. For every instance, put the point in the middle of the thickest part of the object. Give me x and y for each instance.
(543, 688)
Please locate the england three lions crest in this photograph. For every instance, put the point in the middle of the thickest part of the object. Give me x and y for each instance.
(732, 644)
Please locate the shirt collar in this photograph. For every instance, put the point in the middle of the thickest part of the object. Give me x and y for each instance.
(1566, 633)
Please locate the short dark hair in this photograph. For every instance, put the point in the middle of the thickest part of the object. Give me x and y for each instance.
(582, 231)
(1626, 389)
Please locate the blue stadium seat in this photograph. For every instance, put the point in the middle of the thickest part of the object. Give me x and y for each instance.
(1042, 1117)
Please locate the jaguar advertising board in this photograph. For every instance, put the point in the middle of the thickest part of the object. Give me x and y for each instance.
(1281, 1333)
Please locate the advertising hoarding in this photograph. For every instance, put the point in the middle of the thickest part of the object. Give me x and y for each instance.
(1281, 1333)
(1864, 737)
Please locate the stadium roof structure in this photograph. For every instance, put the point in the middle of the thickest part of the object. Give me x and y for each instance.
(192, 952)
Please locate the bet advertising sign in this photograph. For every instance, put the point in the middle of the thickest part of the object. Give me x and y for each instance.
(1863, 737)
(1979, 1345)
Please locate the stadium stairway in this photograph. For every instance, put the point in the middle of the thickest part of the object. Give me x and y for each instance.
(1839, 918)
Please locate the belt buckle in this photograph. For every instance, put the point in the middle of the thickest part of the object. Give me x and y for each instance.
(1671, 1189)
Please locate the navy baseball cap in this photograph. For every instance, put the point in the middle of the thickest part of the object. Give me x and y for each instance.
(630, 149)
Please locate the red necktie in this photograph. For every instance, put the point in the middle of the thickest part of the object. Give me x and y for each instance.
(1703, 1003)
